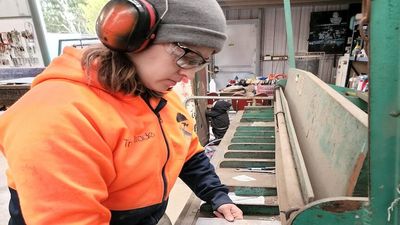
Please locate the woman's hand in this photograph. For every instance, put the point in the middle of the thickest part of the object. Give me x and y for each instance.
(230, 212)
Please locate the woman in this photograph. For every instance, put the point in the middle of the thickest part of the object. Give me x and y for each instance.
(100, 138)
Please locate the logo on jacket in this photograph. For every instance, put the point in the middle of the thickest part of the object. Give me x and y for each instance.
(144, 137)
(183, 124)
(138, 138)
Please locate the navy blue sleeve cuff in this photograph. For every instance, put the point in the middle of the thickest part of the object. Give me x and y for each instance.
(199, 174)
(219, 199)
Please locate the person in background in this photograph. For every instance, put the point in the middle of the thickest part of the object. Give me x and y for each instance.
(219, 117)
(100, 138)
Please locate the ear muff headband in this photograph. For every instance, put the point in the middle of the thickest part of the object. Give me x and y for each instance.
(124, 25)
(153, 18)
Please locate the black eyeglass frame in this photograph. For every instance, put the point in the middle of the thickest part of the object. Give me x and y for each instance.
(186, 51)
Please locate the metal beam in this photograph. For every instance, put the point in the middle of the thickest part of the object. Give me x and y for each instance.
(40, 30)
(261, 3)
(385, 111)
(289, 33)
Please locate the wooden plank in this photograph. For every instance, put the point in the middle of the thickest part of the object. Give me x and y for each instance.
(304, 179)
(250, 154)
(251, 146)
(332, 132)
(255, 192)
(289, 191)
(231, 178)
(280, 184)
(190, 212)
(240, 163)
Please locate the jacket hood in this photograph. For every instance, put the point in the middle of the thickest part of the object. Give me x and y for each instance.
(222, 106)
(68, 67)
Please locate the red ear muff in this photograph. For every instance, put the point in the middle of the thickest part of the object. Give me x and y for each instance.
(124, 25)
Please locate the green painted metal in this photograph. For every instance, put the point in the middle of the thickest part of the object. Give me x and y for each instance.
(251, 210)
(254, 128)
(254, 114)
(333, 134)
(351, 95)
(334, 212)
(246, 164)
(251, 155)
(252, 140)
(258, 115)
(252, 119)
(255, 191)
(252, 134)
(385, 110)
(258, 108)
(251, 147)
(363, 182)
(281, 83)
(264, 113)
(289, 33)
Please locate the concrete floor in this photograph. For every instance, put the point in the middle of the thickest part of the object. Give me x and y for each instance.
(178, 197)
(177, 200)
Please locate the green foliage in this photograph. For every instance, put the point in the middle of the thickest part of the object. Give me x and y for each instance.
(71, 16)
(92, 10)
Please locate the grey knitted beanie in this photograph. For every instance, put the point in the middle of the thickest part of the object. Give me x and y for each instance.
(193, 22)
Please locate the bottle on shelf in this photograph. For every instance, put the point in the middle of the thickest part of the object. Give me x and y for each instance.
(356, 49)
(213, 85)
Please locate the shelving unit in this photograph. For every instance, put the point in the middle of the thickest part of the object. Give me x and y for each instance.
(357, 65)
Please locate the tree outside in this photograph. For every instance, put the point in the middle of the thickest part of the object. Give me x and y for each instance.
(71, 16)
(91, 11)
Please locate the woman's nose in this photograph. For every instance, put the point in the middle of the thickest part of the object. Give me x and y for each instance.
(188, 73)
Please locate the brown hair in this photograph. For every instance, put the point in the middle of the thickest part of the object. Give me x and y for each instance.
(116, 72)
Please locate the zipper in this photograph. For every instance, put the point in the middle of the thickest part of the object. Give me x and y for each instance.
(165, 164)
(156, 111)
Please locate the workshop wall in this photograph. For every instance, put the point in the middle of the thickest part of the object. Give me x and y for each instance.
(273, 35)
(14, 8)
(19, 46)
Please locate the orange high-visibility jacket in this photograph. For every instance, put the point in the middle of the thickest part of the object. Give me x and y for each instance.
(78, 154)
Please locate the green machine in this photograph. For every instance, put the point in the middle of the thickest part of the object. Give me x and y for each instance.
(314, 157)
(381, 169)
(384, 133)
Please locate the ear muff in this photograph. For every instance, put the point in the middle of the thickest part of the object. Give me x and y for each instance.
(125, 25)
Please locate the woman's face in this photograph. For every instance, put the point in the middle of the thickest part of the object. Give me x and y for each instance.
(157, 66)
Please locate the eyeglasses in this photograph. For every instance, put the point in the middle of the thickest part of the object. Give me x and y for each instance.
(186, 57)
